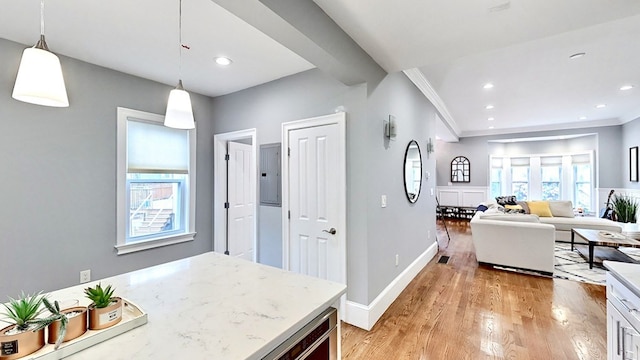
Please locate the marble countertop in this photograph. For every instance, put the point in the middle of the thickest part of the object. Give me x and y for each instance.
(627, 273)
(210, 306)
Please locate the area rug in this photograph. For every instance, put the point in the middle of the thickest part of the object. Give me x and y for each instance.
(573, 265)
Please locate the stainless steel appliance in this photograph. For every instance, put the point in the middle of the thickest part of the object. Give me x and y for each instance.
(318, 340)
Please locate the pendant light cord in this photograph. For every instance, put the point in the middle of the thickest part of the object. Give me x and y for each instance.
(41, 17)
(180, 41)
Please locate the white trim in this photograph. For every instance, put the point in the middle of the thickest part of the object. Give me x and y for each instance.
(366, 316)
(420, 81)
(122, 247)
(340, 119)
(154, 243)
(220, 186)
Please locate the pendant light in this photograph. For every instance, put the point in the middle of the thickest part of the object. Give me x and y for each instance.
(40, 79)
(179, 113)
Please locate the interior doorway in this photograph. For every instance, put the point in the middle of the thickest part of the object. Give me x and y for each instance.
(235, 194)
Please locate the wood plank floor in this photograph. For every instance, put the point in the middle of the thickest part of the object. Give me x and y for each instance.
(461, 311)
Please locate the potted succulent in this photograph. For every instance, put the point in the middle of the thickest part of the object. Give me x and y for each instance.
(20, 339)
(106, 309)
(625, 208)
(62, 325)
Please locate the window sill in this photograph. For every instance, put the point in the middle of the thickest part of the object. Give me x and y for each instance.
(154, 243)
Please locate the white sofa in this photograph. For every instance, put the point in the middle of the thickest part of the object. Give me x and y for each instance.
(513, 242)
(527, 241)
(563, 225)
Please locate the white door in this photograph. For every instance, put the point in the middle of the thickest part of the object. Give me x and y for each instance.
(241, 185)
(316, 180)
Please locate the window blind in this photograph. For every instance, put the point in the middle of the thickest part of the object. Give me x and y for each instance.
(523, 161)
(580, 159)
(154, 148)
(551, 160)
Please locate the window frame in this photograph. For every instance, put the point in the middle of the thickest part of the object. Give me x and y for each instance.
(189, 202)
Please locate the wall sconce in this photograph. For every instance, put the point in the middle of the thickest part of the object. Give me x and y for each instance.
(430, 147)
(390, 128)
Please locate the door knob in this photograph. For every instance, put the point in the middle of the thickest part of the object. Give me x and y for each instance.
(331, 231)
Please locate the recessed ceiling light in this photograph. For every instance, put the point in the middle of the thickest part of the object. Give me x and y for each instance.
(491, 119)
(626, 87)
(489, 107)
(601, 106)
(223, 61)
(490, 127)
(577, 55)
(582, 118)
(488, 86)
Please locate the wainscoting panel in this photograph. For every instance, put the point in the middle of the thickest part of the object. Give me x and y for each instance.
(468, 196)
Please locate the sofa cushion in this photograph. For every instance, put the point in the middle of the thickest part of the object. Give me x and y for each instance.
(524, 206)
(561, 208)
(540, 208)
(566, 224)
(514, 207)
(529, 218)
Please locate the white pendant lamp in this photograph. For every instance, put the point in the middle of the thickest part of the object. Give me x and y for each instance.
(179, 113)
(40, 79)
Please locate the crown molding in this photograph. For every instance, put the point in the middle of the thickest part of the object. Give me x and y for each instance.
(421, 82)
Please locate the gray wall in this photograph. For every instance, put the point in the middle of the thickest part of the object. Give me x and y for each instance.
(606, 142)
(265, 108)
(374, 167)
(401, 228)
(58, 181)
(630, 138)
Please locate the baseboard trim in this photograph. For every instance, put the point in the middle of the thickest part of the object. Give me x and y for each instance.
(365, 316)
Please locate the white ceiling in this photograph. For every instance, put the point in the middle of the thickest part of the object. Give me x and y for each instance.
(141, 38)
(522, 47)
(523, 50)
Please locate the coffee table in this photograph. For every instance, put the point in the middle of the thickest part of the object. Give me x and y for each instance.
(602, 238)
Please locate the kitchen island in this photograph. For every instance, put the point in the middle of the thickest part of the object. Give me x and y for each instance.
(209, 306)
(623, 302)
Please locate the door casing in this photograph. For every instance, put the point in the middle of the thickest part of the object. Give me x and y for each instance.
(220, 187)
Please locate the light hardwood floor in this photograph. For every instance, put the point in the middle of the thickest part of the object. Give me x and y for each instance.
(461, 311)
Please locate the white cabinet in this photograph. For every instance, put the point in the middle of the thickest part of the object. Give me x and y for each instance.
(623, 321)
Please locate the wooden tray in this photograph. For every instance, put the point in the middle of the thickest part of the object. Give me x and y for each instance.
(132, 317)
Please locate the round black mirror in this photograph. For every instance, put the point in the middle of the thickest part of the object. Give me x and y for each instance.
(412, 171)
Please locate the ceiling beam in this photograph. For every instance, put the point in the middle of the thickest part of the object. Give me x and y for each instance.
(304, 28)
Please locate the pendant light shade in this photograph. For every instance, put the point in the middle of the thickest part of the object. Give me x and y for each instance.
(179, 112)
(40, 79)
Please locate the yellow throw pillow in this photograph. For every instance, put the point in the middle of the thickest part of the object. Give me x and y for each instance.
(513, 207)
(540, 208)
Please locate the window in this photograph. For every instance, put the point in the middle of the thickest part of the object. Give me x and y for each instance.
(156, 182)
(551, 177)
(582, 186)
(496, 177)
(520, 178)
(545, 177)
(551, 182)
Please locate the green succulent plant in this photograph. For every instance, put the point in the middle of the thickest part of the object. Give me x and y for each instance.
(101, 297)
(56, 315)
(24, 310)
